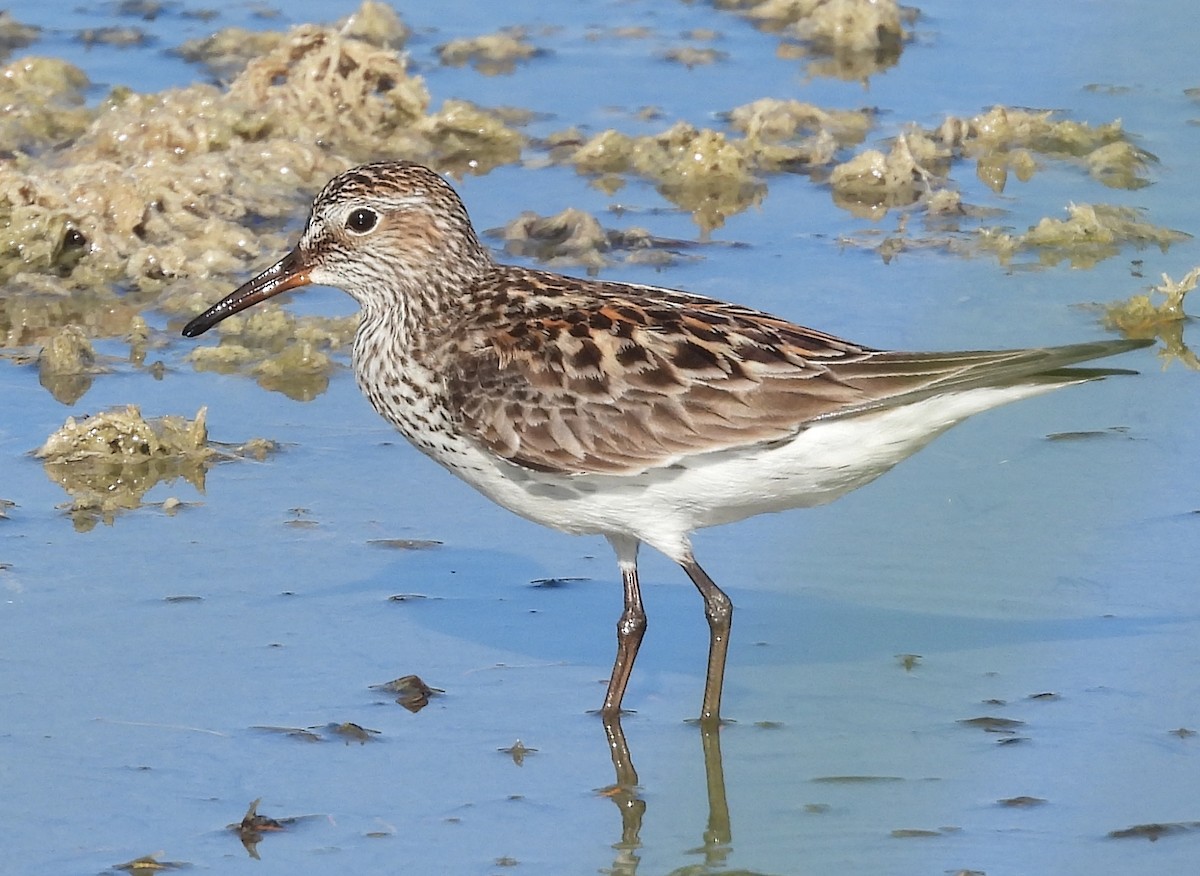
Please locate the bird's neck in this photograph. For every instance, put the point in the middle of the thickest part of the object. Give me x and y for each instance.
(410, 327)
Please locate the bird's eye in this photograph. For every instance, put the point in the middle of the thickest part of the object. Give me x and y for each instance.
(362, 220)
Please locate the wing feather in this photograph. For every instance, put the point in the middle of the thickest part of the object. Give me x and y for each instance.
(593, 377)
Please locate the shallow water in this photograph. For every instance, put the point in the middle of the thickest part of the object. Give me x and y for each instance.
(1013, 565)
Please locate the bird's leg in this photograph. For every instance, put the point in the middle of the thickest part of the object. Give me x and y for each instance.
(630, 628)
(719, 610)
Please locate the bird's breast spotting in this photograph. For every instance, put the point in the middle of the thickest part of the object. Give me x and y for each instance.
(406, 392)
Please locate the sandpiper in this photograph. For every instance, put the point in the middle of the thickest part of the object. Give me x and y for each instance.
(635, 412)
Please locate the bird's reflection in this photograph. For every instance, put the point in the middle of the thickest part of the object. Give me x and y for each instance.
(717, 835)
(625, 793)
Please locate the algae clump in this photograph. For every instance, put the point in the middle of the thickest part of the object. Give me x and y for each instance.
(1144, 316)
(107, 462)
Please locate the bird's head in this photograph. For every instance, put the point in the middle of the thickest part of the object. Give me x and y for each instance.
(393, 235)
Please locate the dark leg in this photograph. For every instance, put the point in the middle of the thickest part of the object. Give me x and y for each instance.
(630, 628)
(719, 611)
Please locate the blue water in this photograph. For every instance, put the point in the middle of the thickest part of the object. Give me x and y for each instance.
(1013, 565)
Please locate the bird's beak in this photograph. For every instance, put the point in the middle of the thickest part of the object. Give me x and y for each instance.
(289, 272)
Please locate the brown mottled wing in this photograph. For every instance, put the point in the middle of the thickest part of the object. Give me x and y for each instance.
(623, 379)
(620, 383)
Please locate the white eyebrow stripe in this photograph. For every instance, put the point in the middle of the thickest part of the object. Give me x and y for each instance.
(408, 200)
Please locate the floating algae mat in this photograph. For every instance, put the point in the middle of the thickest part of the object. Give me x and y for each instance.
(915, 175)
(850, 39)
(108, 462)
(1090, 233)
(709, 173)
(67, 364)
(491, 54)
(573, 239)
(1158, 313)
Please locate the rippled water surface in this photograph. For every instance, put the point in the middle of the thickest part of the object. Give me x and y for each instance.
(1036, 565)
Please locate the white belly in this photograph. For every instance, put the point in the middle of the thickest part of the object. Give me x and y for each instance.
(662, 506)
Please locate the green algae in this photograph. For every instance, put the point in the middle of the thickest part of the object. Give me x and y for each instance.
(491, 54)
(1002, 143)
(14, 34)
(43, 100)
(1158, 313)
(847, 39)
(282, 352)
(695, 56)
(917, 175)
(1089, 234)
(107, 462)
(67, 364)
(574, 238)
(713, 174)
(1017, 138)
(873, 182)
